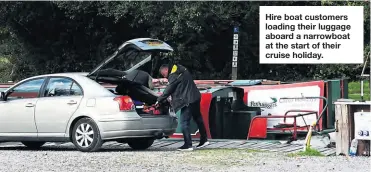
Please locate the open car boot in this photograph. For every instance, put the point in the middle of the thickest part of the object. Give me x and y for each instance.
(121, 69)
(146, 97)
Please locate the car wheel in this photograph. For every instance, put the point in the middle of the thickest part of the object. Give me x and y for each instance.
(86, 136)
(141, 144)
(33, 145)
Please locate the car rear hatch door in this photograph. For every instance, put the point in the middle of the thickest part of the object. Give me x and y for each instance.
(129, 56)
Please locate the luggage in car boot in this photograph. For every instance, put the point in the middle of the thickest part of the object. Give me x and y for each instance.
(152, 110)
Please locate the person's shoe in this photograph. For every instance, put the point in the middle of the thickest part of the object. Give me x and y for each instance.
(185, 148)
(202, 144)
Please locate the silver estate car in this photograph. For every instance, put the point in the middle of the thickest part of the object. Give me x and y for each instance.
(75, 107)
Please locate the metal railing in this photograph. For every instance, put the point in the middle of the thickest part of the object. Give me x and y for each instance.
(365, 76)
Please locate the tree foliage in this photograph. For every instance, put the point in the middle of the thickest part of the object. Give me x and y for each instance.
(58, 36)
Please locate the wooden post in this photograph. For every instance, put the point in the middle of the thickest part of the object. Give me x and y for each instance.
(342, 129)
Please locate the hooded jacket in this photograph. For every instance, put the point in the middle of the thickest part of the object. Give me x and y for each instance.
(181, 88)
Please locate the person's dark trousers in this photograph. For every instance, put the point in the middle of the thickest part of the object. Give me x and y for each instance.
(187, 112)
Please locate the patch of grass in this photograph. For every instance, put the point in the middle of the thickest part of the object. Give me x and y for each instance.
(308, 152)
(354, 90)
(355, 87)
(220, 157)
(358, 96)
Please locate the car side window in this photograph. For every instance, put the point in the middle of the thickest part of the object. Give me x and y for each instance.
(76, 90)
(28, 89)
(62, 87)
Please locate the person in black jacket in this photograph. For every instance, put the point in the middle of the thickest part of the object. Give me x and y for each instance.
(186, 97)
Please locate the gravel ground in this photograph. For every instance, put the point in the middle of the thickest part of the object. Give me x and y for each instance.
(124, 159)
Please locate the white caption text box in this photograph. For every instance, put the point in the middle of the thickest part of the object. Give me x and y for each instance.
(350, 50)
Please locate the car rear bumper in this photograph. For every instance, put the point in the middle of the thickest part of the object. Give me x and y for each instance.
(147, 126)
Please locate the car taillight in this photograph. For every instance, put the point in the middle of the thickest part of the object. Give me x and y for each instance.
(125, 103)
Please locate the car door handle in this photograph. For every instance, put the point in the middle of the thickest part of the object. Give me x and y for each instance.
(71, 102)
(29, 105)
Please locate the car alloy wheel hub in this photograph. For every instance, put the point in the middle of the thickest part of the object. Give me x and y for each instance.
(84, 135)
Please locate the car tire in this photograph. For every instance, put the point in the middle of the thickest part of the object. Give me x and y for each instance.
(33, 145)
(141, 144)
(86, 136)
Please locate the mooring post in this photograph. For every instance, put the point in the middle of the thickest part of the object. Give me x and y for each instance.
(235, 53)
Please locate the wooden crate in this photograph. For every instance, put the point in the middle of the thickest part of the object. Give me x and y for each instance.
(344, 123)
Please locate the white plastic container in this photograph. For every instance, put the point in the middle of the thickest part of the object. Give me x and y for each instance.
(353, 147)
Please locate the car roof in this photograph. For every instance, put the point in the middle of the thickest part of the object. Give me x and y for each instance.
(69, 74)
(90, 87)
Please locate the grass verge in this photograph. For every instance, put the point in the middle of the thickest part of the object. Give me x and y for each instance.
(221, 157)
(354, 90)
(308, 152)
